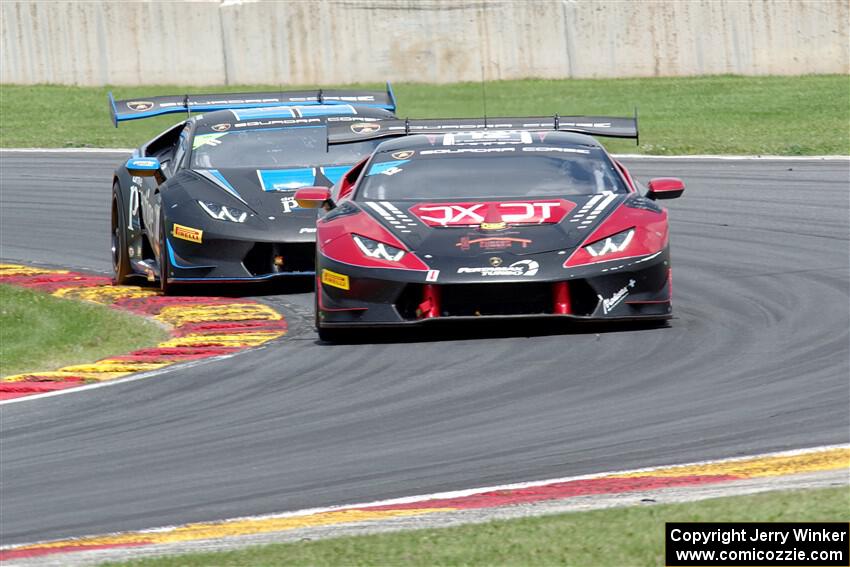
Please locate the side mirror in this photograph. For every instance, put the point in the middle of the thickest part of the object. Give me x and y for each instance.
(145, 167)
(665, 188)
(312, 197)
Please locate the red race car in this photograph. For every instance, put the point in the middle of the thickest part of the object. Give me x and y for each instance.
(504, 217)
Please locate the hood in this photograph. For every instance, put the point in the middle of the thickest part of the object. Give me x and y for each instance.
(269, 191)
(517, 226)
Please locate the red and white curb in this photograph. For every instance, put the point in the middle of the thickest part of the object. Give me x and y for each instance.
(814, 467)
(200, 327)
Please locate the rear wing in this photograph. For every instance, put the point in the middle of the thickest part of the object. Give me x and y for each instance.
(607, 126)
(137, 108)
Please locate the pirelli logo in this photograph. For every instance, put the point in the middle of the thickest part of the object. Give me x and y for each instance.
(334, 279)
(187, 233)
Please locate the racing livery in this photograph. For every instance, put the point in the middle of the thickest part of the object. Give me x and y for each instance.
(501, 217)
(211, 199)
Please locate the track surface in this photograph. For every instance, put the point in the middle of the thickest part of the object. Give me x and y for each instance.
(756, 361)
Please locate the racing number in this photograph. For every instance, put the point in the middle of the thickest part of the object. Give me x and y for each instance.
(473, 213)
(454, 214)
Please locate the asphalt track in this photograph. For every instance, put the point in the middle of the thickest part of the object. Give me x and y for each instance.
(756, 360)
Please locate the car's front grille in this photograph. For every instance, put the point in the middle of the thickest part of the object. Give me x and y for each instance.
(296, 257)
(481, 299)
(470, 300)
(495, 299)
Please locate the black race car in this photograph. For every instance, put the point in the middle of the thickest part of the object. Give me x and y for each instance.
(489, 217)
(211, 199)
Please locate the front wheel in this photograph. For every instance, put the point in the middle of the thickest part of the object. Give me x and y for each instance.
(326, 335)
(164, 263)
(121, 269)
(317, 289)
(333, 335)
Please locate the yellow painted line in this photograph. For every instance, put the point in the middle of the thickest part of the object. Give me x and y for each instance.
(61, 374)
(104, 294)
(48, 376)
(249, 526)
(180, 315)
(759, 467)
(225, 340)
(101, 370)
(113, 366)
(18, 270)
(102, 376)
(96, 371)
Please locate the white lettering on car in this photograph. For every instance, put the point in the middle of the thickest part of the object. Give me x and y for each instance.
(521, 268)
(545, 211)
(555, 149)
(277, 122)
(453, 214)
(467, 151)
(609, 304)
(464, 214)
(288, 203)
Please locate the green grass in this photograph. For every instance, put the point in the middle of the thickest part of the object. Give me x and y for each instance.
(716, 114)
(40, 332)
(616, 537)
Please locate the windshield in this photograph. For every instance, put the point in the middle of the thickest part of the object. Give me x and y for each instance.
(537, 172)
(274, 148)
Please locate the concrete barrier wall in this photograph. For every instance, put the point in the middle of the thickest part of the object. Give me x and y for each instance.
(343, 41)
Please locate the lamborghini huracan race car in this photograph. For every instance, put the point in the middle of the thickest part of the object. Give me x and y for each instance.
(211, 198)
(489, 218)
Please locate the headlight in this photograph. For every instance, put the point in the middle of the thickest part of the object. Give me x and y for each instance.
(221, 212)
(614, 243)
(375, 249)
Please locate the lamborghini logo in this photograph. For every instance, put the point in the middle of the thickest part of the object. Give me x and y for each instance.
(492, 225)
(365, 127)
(403, 154)
(495, 262)
(139, 105)
(220, 127)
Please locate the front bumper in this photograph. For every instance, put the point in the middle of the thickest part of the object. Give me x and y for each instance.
(231, 255)
(621, 290)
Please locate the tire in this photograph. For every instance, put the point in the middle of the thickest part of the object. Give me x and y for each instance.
(333, 335)
(326, 335)
(121, 269)
(316, 291)
(164, 264)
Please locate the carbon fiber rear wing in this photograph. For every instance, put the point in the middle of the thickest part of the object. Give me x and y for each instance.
(607, 126)
(137, 108)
